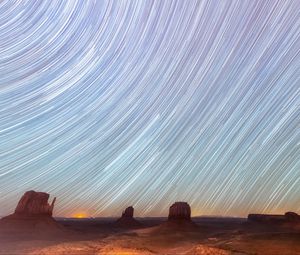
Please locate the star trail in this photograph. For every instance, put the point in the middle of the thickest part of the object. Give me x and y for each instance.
(106, 104)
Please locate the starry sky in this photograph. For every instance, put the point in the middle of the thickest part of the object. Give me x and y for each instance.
(106, 104)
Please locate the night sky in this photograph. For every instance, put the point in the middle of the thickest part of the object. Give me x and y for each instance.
(106, 104)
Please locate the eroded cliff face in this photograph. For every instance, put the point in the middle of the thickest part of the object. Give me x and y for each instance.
(32, 218)
(180, 211)
(35, 203)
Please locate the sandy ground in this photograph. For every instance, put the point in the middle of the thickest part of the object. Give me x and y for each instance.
(206, 236)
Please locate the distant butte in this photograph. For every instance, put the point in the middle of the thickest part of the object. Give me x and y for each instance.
(179, 220)
(128, 213)
(275, 218)
(292, 217)
(127, 220)
(180, 211)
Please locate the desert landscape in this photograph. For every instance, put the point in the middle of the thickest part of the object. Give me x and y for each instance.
(168, 127)
(31, 229)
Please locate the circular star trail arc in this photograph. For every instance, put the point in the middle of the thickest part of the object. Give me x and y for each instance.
(106, 104)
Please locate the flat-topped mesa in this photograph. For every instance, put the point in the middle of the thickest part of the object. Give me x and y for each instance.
(180, 211)
(274, 218)
(128, 213)
(34, 203)
(265, 218)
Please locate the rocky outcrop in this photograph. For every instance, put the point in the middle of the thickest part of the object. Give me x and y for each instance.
(35, 203)
(179, 220)
(127, 220)
(274, 218)
(180, 211)
(128, 212)
(292, 217)
(32, 217)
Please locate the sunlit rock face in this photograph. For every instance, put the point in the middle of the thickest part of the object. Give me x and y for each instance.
(32, 217)
(180, 211)
(128, 213)
(35, 203)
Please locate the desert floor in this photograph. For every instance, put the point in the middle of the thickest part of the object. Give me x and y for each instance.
(213, 236)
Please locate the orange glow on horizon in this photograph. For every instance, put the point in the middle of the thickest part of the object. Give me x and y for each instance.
(80, 215)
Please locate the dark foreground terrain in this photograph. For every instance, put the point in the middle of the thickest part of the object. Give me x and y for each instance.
(215, 236)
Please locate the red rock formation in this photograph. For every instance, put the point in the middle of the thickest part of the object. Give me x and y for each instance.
(32, 217)
(127, 220)
(128, 212)
(180, 211)
(274, 218)
(179, 220)
(35, 203)
(292, 217)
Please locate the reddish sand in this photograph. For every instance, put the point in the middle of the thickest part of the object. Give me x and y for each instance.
(154, 236)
